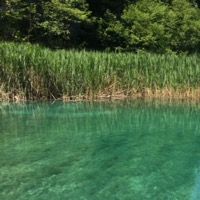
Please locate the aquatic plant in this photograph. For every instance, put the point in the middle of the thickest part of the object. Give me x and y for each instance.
(33, 72)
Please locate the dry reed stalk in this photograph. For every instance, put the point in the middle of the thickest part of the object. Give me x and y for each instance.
(4, 96)
(162, 94)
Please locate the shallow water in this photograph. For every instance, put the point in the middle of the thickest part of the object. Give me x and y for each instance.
(133, 150)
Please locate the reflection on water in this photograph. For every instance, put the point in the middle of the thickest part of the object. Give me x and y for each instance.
(101, 150)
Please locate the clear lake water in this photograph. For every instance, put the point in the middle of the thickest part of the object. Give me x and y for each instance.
(126, 150)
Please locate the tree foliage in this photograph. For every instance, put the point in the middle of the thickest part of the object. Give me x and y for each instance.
(56, 23)
(128, 25)
(145, 25)
(60, 22)
(156, 26)
(184, 26)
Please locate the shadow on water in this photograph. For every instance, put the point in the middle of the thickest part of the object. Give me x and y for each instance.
(101, 150)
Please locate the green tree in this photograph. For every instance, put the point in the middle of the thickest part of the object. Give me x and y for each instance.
(110, 32)
(55, 23)
(184, 26)
(145, 25)
(61, 22)
(156, 26)
(11, 19)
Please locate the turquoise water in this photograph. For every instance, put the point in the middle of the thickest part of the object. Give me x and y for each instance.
(130, 150)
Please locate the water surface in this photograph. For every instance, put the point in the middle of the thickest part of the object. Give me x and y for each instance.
(133, 150)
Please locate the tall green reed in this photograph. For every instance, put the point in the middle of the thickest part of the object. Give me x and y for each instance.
(42, 73)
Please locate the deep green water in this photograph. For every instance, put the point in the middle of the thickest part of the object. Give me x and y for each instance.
(133, 150)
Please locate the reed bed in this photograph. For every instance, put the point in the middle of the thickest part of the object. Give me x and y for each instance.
(29, 72)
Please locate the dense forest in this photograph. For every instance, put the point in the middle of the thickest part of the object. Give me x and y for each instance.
(113, 25)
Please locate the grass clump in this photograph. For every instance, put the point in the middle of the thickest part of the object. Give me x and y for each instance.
(33, 72)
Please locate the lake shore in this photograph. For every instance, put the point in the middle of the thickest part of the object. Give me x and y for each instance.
(157, 94)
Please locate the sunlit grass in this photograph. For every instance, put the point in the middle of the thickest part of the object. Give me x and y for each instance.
(34, 72)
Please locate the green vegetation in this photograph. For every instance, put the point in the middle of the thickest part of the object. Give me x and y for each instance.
(33, 72)
(122, 25)
(99, 48)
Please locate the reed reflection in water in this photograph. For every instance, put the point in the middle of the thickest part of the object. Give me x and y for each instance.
(100, 150)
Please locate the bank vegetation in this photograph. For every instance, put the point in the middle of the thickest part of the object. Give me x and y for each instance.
(32, 72)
